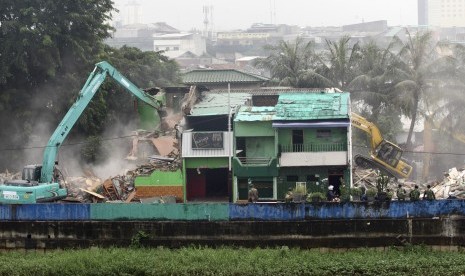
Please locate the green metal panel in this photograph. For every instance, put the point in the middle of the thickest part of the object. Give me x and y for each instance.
(264, 186)
(149, 118)
(255, 114)
(207, 162)
(259, 147)
(284, 136)
(338, 135)
(137, 211)
(312, 106)
(253, 129)
(301, 173)
(220, 76)
(161, 178)
(217, 104)
(262, 170)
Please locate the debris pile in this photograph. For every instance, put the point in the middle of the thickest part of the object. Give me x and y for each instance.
(7, 176)
(452, 186)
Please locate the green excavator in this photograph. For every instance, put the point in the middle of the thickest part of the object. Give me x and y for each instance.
(44, 182)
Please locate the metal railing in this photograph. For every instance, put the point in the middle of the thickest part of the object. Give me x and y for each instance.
(257, 161)
(314, 147)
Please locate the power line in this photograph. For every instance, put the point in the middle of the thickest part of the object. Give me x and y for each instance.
(68, 144)
(421, 152)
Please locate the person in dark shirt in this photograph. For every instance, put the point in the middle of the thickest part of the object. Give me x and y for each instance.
(253, 193)
(429, 194)
(330, 195)
(414, 194)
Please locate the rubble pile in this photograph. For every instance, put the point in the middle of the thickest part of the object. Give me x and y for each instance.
(7, 176)
(452, 186)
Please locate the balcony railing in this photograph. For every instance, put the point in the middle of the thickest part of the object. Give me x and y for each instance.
(314, 147)
(255, 161)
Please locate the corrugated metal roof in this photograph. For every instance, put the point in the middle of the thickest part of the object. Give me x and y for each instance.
(255, 113)
(217, 104)
(312, 106)
(187, 150)
(220, 76)
(270, 91)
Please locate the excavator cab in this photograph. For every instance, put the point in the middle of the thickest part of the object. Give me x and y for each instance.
(389, 153)
(31, 173)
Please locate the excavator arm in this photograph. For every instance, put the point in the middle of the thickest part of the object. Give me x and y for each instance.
(90, 88)
(384, 155)
(371, 129)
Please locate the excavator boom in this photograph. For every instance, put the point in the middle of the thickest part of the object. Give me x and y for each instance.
(384, 155)
(46, 188)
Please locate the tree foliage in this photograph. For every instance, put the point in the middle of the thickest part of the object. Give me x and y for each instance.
(47, 51)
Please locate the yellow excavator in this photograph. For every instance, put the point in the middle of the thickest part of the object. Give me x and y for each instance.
(384, 155)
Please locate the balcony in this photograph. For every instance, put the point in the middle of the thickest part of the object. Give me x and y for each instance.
(255, 166)
(314, 147)
(314, 154)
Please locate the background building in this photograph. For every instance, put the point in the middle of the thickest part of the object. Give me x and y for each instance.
(441, 13)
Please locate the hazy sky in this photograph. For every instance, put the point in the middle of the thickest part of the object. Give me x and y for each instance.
(240, 14)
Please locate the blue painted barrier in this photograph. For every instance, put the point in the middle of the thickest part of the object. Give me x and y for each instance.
(266, 211)
(52, 211)
(393, 209)
(225, 211)
(5, 212)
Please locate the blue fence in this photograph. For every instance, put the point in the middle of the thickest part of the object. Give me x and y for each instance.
(232, 212)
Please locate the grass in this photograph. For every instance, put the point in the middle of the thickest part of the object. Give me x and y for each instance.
(233, 261)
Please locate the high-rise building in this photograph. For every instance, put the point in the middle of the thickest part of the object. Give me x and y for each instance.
(131, 13)
(441, 13)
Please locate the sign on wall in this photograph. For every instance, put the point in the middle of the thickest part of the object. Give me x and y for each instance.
(207, 140)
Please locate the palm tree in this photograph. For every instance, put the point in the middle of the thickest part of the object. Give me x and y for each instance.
(339, 63)
(288, 62)
(421, 71)
(371, 87)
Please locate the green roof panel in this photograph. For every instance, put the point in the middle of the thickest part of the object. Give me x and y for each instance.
(312, 106)
(217, 104)
(255, 113)
(220, 76)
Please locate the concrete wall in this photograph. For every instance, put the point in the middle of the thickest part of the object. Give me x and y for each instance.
(325, 225)
(161, 183)
(231, 212)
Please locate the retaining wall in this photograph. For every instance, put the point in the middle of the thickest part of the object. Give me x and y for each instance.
(231, 212)
(324, 225)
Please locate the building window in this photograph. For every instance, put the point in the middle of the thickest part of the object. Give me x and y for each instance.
(167, 48)
(323, 133)
(292, 178)
(312, 178)
(176, 48)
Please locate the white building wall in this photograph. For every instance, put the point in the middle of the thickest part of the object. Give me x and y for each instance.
(304, 159)
(174, 46)
(446, 13)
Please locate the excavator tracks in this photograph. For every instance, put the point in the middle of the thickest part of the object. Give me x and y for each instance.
(367, 163)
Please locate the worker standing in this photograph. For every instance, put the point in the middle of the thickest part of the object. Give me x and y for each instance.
(429, 194)
(253, 192)
(401, 193)
(289, 196)
(330, 195)
(414, 194)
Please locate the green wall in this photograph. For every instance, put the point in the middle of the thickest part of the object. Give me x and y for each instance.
(338, 135)
(131, 211)
(149, 118)
(301, 172)
(253, 129)
(161, 178)
(206, 162)
(260, 147)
